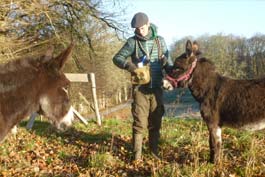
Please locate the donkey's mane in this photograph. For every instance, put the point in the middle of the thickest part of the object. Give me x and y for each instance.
(18, 64)
(207, 64)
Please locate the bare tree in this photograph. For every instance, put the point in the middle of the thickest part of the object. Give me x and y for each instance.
(96, 27)
(256, 53)
(26, 24)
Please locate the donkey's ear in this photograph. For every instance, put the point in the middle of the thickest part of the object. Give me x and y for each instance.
(48, 54)
(59, 61)
(188, 48)
(195, 49)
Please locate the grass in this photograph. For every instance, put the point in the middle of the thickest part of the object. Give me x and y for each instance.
(89, 150)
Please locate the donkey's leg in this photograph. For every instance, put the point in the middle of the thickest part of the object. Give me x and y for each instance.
(3, 131)
(14, 130)
(215, 142)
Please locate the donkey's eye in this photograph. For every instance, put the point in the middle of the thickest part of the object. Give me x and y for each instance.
(178, 69)
(65, 89)
(66, 86)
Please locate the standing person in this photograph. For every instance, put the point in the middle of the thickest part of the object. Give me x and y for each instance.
(145, 56)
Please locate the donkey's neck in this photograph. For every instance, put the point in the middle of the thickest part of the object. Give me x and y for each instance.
(202, 81)
(18, 94)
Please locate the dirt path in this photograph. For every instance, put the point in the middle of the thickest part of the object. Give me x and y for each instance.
(113, 110)
(172, 110)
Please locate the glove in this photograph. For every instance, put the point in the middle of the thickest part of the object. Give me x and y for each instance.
(163, 60)
(168, 69)
(165, 65)
(130, 67)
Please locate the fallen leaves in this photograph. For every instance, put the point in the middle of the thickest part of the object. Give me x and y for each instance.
(92, 151)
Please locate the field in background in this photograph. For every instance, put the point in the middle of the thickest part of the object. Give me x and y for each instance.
(106, 151)
(179, 103)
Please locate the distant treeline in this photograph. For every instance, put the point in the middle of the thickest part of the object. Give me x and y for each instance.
(236, 57)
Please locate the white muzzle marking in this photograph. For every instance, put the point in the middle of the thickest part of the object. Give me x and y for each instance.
(167, 85)
(68, 118)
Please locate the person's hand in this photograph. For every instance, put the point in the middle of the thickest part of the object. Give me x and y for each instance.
(163, 60)
(168, 69)
(131, 67)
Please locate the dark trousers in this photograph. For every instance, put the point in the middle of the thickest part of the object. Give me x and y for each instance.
(147, 111)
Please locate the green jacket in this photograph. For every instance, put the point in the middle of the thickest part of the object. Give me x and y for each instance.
(136, 47)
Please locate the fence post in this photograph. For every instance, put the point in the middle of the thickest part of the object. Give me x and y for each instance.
(93, 82)
(31, 120)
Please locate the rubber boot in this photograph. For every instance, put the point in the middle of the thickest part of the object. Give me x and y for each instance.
(137, 146)
(153, 144)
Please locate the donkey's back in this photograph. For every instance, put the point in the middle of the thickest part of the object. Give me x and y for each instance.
(242, 103)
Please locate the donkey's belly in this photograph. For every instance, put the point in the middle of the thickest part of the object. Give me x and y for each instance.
(251, 126)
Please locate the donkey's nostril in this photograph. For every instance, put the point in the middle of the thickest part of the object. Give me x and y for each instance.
(63, 127)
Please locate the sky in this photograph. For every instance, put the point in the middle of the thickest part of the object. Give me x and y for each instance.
(176, 19)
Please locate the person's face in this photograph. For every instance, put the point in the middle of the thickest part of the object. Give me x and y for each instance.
(143, 30)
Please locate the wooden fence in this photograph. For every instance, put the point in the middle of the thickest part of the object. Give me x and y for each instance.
(76, 77)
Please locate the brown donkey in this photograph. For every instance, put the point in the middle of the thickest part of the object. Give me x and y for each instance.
(35, 85)
(223, 101)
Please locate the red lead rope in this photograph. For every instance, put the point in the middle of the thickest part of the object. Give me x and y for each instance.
(183, 77)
